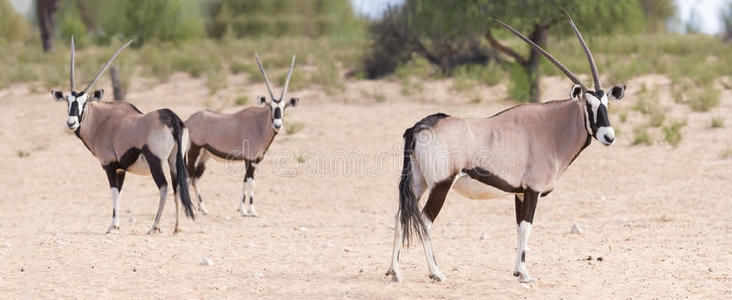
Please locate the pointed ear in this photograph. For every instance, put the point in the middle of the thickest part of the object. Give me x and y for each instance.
(261, 100)
(58, 95)
(293, 102)
(97, 95)
(576, 93)
(617, 92)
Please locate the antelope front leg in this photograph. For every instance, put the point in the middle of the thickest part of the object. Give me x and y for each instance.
(525, 207)
(115, 184)
(115, 210)
(249, 187)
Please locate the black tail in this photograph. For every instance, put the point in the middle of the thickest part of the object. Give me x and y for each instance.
(410, 214)
(180, 165)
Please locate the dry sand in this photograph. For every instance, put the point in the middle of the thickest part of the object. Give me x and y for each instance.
(660, 217)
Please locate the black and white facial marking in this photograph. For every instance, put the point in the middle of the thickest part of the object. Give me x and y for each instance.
(77, 105)
(596, 118)
(278, 110)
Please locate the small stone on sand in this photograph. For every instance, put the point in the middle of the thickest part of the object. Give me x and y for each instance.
(257, 275)
(576, 229)
(484, 236)
(303, 229)
(207, 262)
(452, 223)
(327, 245)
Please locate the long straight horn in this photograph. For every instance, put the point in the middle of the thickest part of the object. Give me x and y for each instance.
(287, 81)
(72, 64)
(266, 79)
(595, 74)
(548, 56)
(105, 66)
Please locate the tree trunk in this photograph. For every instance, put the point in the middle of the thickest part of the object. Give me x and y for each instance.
(538, 36)
(45, 10)
(119, 93)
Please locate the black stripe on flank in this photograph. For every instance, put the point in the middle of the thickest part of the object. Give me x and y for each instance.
(491, 179)
(222, 154)
(128, 158)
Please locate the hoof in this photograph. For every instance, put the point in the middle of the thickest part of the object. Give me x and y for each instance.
(113, 228)
(154, 230)
(203, 211)
(437, 277)
(525, 279)
(395, 276)
(177, 230)
(253, 214)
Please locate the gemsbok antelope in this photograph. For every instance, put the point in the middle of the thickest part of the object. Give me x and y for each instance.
(124, 139)
(244, 135)
(522, 151)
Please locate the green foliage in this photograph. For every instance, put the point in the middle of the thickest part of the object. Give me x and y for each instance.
(416, 67)
(703, 99)
(216, 79)
(22, 153)
(241, 101)
(518, 87)
(13, 27)
(253, 18)
(71, 24)
(640, 136)
(163, 20)
(716, 122)
(294, 127)
(672, 132)
(726, 153)
(468, 76)
(327, 76)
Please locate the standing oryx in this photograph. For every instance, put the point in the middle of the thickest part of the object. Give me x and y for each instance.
(245, 135)
(125, 140)
(522, 150)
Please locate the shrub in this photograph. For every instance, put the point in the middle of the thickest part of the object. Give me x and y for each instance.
(672, 132)
(716, 122)
(294, 127)
(640, 136)
(703, 99)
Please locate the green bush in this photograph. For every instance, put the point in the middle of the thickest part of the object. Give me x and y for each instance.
(640, 136)
(13, 27)
(703, 99)
(672, 132)
(518, 87)
(716, 122)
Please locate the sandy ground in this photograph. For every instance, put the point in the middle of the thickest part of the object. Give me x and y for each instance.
(659, 217)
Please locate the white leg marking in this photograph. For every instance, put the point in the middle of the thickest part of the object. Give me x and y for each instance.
(115, 210)
(177, 215)
(435, 273)
(524, 231)
(201, 207)
(243, 200)
(249, 186)
(396, 274)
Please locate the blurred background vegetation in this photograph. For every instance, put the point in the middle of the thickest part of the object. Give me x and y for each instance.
(409, 43)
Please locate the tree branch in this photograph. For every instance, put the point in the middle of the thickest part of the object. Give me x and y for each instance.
(500, 47)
